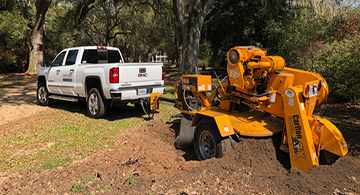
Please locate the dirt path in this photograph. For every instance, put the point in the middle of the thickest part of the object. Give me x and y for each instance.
(18, 98)
(148, 163)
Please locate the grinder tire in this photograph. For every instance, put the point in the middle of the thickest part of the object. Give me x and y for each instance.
(208, 142)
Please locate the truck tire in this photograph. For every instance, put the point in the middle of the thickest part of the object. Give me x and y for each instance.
(208, 142)
(96, 106)
(42, 95)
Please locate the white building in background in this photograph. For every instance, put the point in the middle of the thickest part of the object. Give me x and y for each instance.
(158, 56)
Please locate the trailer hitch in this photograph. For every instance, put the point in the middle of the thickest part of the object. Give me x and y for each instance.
(150, 105)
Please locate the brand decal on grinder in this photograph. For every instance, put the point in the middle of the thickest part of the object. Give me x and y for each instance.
(295, 136)
(297, 126)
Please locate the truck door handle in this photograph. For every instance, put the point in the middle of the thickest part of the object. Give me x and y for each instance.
(58, 71)
(72, 70)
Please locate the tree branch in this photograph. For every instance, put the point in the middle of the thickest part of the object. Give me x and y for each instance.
(206, 8)
(152, 5)
(84, 7)
(91, 38)
(179, 11)
(121, 33)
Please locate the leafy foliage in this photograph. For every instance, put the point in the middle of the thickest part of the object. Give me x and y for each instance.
(296, 39)
(309, 38)
(13, 28)
(339, 63)
(234, 22)
(60, 32)
(12, 60)
(329, 47)
(138, 28)
(321, 37)
(14, 36)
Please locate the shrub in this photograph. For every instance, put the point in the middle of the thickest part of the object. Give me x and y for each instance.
(339, 63)
(13, 60)
(329, 47)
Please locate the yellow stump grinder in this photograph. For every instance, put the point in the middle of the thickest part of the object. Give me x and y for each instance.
(260, 97)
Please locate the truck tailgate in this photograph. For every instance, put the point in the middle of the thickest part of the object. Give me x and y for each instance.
(133, 73)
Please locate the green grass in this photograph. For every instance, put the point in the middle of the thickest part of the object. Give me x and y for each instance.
(167, 110)
(170, 92)
(104, 187)
(60, 136)
(78, 186)
(132, 180)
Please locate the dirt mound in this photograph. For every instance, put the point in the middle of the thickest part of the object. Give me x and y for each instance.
(148, 163)
(255, 167)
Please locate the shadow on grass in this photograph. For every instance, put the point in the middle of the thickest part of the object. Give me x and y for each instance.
(10, 85)
(170, 90)
(116, 112)
(19, 98)
(13, 80)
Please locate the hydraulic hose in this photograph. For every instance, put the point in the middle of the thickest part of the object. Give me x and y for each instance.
(259, 95)
(167, 99)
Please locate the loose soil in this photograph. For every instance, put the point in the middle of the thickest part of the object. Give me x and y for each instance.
(148, 163)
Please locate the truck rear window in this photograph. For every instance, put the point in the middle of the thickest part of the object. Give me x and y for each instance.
(94, 56)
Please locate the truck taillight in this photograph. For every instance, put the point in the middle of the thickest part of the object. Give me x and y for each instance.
(163, 73)
(114, 75)
(319, 86)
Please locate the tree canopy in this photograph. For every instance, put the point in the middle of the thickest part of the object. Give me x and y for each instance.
(315, 35)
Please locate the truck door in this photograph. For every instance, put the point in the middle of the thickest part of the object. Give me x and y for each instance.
(68, 76)
(55, 74)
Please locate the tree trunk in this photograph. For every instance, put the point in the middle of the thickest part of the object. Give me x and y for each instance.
(37, 36)
(191, 23)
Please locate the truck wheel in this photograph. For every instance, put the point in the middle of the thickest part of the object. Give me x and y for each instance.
(207, 140)
(42, 95)
(95, 104)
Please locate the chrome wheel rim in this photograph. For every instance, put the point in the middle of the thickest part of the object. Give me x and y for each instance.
(207, 144)
(42, 94)
(93, 104)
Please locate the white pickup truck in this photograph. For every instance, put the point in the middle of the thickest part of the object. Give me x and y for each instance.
(99, 76)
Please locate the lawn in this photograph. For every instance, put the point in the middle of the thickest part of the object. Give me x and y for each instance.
(64, 134)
